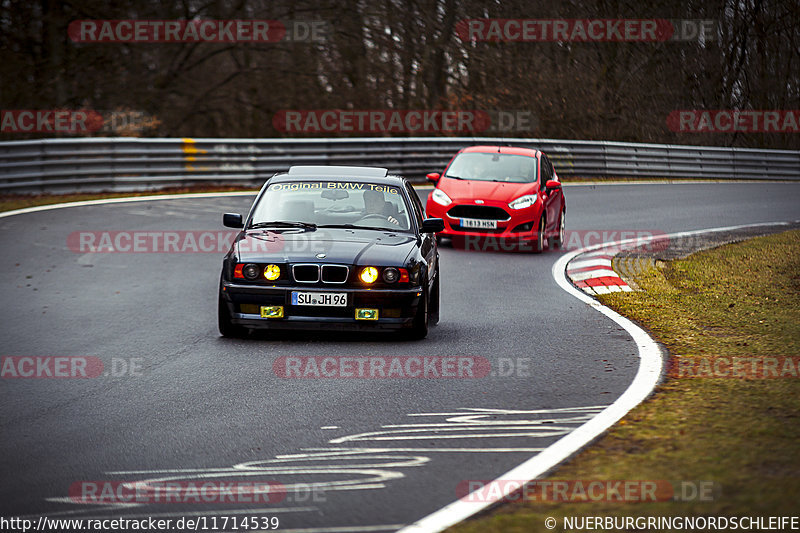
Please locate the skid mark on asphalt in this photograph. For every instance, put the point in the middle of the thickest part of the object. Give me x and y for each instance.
(358, 461)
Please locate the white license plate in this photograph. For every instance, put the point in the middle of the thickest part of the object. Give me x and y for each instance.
(325, 299)
(478, 223)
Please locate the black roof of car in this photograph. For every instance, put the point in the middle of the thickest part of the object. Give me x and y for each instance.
(370, 174)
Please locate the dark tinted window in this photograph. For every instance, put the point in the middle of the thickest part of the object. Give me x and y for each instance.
(547, 169)
(419, 211)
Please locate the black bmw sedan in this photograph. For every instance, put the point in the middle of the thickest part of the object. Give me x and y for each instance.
(332, 247)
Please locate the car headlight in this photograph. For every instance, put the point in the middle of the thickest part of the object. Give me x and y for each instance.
(391, 275)
(250, 271)
(272, 272)
(440, 197)
(368, 275)
(523, 201)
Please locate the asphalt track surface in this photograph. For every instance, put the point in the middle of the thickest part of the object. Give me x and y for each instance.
(370, 453)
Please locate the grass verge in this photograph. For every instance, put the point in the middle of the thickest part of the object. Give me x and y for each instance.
(742, 434)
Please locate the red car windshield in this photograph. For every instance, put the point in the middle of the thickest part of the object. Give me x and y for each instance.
(479, 166)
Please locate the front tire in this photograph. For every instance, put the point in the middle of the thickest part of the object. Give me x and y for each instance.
(419, 330)
(435, 300)
(558, 242)
(226, 327)
(541, 238)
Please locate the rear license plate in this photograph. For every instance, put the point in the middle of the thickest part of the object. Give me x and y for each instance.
(478, 223)
(325, 299)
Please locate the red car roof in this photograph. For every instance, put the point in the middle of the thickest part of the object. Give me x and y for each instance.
(503, 150)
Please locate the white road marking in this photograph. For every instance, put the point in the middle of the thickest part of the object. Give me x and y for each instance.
(590, 263)
(602, 253)
(688, 181)
(458, 450)
(371, 467)
(87, 258)
(367, 436)
(217, 512)
(487, 423)
(329, 427)
(596, 408)
(344, 529)
(178, 196)
(580, 276)
(105, 201)
(474, 425)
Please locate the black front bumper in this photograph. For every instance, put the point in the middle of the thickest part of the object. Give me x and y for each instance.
(396, 307)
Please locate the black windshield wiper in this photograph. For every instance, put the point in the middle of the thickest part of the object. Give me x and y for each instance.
(454, 177)
(354, 226)
(282, 224)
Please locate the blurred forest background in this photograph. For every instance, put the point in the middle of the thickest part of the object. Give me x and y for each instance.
(406, 54)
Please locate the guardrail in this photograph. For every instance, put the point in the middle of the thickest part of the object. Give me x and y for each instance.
(92, 164)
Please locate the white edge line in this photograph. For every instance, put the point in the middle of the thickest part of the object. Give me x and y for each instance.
(104, 201)
(651, 363)
(156, 197)
(673, 181)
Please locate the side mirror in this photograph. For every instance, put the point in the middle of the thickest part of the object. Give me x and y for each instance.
(553, 185)
(232, 220)
(433, 176)
(432, 225)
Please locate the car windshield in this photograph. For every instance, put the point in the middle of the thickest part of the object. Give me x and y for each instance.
(479, 166)
(320, 204)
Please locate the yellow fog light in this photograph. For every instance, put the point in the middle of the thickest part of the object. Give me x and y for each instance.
(369, 275)
(271, 311)
(250, 309)
(272, 272)
(366, 314)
